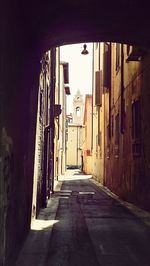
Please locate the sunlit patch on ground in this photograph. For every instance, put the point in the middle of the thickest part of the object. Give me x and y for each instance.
(39, 225)
(75, 174)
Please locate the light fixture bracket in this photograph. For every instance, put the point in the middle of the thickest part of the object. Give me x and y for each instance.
(85, 51)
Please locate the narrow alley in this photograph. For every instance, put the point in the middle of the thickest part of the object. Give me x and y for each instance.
(106, 133)
(85, 224)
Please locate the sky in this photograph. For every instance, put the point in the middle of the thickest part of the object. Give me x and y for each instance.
(80, 70)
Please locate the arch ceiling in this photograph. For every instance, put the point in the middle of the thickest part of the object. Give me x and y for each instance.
(43, 24)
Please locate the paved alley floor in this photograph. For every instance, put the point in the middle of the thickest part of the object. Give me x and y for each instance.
(84, 225)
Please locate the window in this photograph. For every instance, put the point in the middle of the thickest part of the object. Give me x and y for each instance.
(108, 135)
(136, 121)
(78, 111)
(136, 127)
(41, 103)
(116, 147)
(135, 53)
(128, 49)
(112, 125)
(100, 143)
(117, 56)
(108, 144)
(96, 45)
(97, 88)
(107, 66)
(96, 146)
(117, 129)
(66, 72)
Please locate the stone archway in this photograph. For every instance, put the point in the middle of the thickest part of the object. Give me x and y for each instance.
(28, 30)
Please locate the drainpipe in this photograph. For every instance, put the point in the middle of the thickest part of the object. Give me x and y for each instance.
(122, 90)
(104, 132)
(77, 146)
(58, 87)
(44, 181)
(92, 99)
(110, 93)
(52, 104)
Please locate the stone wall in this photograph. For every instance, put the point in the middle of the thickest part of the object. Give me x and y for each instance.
(17, 138)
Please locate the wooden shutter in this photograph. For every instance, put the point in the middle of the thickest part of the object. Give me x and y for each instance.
(107, 66)
(98, 88)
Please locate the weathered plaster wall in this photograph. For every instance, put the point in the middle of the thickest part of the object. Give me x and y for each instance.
(74, 145)
(144, 185)
(127, 174)
(87, 143)
(17, 127)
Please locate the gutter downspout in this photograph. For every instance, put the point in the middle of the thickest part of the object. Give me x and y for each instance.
(110, 88)
(122, 90)
(92, 100)
(52, 104)
(44, 183)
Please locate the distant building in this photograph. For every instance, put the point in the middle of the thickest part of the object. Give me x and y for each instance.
(74, 146)
(87, 147)
(69, 118)
(78, 108)
(75, 133)
(62, 91)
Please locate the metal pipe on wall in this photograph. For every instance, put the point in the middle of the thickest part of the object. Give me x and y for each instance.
(122, 89)
(52, 104)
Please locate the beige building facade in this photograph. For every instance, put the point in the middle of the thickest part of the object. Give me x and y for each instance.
(43, 117)
(74, 146)
(62, 91)
(98, 113)
(87, 145)
(120, 120)
(76, 133)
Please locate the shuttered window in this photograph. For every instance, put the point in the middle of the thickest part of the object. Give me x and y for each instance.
(98, 88)
(117, 56)
(66, 72)
(136, 127)
(107, 66)
(116, 147)
(117, 129)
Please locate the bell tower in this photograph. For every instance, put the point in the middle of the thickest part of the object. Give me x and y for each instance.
(78, 108)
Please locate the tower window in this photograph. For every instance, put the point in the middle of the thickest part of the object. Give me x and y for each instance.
(78, 111)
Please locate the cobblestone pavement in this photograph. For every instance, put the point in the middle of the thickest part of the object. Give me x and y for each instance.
(84, 224)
